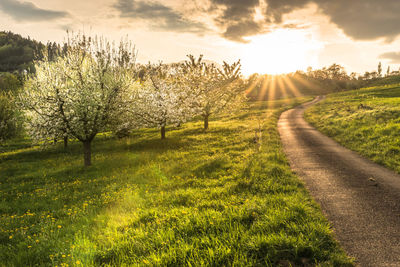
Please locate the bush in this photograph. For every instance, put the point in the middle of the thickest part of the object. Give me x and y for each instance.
(8, 117)
(9, 82)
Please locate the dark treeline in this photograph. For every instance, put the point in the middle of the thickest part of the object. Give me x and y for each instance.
(17, 55)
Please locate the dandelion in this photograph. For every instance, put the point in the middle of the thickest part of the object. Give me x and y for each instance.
(78, 262)
(63, 256)
(29, 246)
(10, 237)
(59, 226)
(37, 241)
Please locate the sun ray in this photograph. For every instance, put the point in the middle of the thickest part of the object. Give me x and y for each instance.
(264, 88)
(287, 80)
(272, 90)
(253, 85)
(284, 92)
(307, 83)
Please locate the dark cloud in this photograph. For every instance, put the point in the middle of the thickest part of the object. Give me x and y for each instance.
(236, 32)
(27, 11)
(359, 19)
(277, 8)
(160, 16)
(394, 57)
(366, 19)
(237, 18)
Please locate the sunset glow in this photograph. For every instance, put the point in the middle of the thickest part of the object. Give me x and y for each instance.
(281, 51)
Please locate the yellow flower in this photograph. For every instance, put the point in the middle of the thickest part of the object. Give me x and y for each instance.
(37, 241)
(10, 237)
(58, 226)
(29, 246)
(63, 256)
(78, 262)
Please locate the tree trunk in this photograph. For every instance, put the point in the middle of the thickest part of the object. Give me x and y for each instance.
(65, 142)
(206, 122)
(87, 153)
(163, 132)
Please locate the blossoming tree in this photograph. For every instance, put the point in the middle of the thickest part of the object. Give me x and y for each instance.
(213, 89)
(77, 95)
(160, 100)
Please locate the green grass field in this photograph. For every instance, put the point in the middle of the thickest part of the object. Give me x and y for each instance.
(365, 120)
(212, 198)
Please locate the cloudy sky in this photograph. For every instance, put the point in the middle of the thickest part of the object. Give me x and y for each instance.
(269, 36)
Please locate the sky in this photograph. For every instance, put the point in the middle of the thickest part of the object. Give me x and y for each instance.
(268, 36)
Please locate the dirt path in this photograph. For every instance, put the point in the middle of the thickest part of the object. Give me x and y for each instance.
(360, 199)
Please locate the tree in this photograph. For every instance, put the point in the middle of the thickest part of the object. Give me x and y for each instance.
(77, 94)
(160, 98)
(380, 69)
(213, 89)
(9, 82)
(17, 53)
(8, 116)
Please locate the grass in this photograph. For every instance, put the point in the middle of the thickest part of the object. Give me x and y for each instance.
(197, 198)
(365, 120)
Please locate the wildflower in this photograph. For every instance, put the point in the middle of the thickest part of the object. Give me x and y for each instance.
(59, 226)
(29, 246)
(78, 262)
(10, 237)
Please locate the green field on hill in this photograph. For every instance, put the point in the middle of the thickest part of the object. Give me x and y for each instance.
(225, 197)
(365, 120)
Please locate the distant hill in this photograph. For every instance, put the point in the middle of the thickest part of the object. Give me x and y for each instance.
(17, 53)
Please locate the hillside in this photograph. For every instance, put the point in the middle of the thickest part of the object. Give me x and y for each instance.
(365, 120)
(224, 197)
(17, 53)
(385, 81)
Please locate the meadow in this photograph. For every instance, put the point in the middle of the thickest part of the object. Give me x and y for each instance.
(222, 197)
(365, 120)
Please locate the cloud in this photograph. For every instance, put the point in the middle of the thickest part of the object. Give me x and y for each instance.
(394, 57)
(236, 31)
(160, 16)
(27, 11)
(365, 20)
(359, 19)
(237, 18)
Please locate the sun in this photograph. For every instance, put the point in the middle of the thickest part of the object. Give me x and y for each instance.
(281, 51)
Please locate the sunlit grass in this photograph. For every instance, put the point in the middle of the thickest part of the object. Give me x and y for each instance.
(197, 198)
(365, 120)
